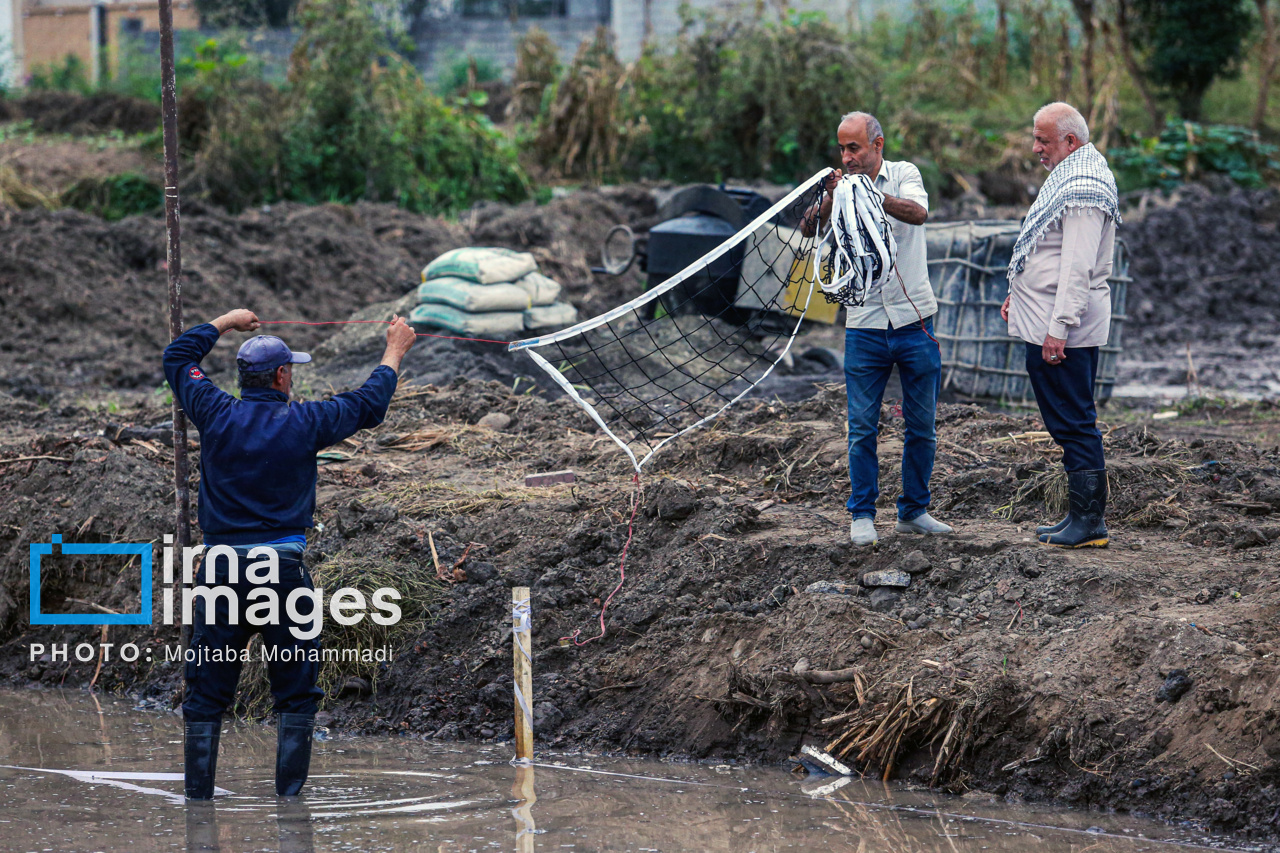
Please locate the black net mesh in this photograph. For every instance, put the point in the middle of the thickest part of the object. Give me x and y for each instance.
(692, 345)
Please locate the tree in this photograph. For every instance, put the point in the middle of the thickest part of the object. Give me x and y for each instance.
(1187, 44)
(1270, 58)
(248, 14)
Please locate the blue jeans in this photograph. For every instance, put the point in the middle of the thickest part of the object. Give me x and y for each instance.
(869, 357)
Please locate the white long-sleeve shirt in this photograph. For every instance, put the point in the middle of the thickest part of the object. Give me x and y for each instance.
(1062, 291)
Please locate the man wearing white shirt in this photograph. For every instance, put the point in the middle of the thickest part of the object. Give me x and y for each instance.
(893, 327)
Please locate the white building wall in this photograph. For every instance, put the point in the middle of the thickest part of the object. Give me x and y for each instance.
(8, 39)
(629, 23)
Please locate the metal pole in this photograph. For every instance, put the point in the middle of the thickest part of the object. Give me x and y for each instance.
(169, 109)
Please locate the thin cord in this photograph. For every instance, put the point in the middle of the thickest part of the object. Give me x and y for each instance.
(622, 569)
(381, 322)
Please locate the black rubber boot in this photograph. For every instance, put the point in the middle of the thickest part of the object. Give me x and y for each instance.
(1053, 528)
(200, 753)
(293, 752)
(1087, 495)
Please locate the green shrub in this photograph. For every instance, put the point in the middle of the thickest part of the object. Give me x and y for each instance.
(115, 196)
(1185, 150)
(69, 75)
(354, 121)
(467, 72)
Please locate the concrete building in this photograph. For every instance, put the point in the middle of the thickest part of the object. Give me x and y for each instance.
(10, 37)
(489, 29)
(47, 31)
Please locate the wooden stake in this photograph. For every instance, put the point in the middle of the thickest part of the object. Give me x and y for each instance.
(521, 643)
(173, 257)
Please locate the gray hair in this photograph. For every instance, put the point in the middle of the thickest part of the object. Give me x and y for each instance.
(874, 130)
(1067, 119)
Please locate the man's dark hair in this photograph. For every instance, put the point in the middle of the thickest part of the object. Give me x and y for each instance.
(257, 378)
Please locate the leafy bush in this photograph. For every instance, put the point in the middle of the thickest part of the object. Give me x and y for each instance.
(1185, 150)
(69, 75)
(537, 67)
(354, 121)
(466, 73)
(115, 196)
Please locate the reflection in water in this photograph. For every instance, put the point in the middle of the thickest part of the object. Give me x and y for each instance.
(85, 773)
(293, 827)
(523, 791)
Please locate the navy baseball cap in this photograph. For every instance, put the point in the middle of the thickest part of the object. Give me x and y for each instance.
(267, 352)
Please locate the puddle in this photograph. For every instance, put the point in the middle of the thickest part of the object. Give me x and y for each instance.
(88, 773)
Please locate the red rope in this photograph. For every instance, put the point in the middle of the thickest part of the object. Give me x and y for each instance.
(622, 570)
(383, 322)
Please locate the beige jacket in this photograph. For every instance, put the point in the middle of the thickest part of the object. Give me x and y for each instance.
(1063, 289)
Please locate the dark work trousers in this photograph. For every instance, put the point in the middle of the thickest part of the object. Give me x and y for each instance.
(1064, 393)
(211, 685)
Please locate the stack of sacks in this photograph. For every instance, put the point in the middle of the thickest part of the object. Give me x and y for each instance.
(489, 292)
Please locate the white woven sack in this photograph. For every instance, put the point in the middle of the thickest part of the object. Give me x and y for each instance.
(481, 265)
(472, 297)
(557, 315)
(494, 324)
(541, 290)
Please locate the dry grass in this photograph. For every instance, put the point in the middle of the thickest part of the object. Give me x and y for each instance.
(879, 734)
(439, 499)
(14, 192)
(1144, 492)
(418, 588)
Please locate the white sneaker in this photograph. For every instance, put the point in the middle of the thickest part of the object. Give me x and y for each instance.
(923, 524)
(863, 532)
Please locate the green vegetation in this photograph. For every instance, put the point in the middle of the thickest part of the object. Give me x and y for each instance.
(1187, 44)
(115, 196)
(354, 121)
(69, 75)
(1186, 150)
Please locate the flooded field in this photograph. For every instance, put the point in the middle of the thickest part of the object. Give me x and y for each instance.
(86, 773)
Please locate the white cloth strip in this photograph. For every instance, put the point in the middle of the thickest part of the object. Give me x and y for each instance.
(861, 236)
(691, 270)
(522, 623)
(568, 388)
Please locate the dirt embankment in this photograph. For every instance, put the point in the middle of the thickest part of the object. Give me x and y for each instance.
(86, 300)
(1040, 673)
(1034, 674)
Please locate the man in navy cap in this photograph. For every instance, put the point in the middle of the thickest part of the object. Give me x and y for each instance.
(258, 488)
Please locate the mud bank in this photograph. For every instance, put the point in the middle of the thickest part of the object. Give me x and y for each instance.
(1036, 674)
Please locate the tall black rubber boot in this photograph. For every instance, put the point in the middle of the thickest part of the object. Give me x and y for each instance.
(1087, 496)
(200, 753)
(293, 752)
(1054, 528)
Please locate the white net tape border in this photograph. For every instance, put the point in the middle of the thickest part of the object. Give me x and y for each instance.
(648, 296)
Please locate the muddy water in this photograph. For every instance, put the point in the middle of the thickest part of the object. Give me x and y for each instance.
(85, 773)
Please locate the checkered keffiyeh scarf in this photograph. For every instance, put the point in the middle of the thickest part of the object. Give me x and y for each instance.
(1082, 180)
(863, 247)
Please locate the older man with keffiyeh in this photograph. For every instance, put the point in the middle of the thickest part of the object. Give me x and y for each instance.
(1060, 304)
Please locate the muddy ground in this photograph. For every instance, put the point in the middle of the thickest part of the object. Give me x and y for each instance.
(1003, 669)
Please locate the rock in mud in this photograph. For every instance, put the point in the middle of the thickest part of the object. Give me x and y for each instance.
(546, 717)
(496, 421)
(897, 580)
(355, 687)
(884, 598)
(831, 588)
(915, 563)
(673, 501)
(1176, 684)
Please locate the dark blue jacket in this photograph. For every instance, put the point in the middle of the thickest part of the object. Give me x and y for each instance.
(258, 453)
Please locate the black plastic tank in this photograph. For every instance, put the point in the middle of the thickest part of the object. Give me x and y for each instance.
(697, 220)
